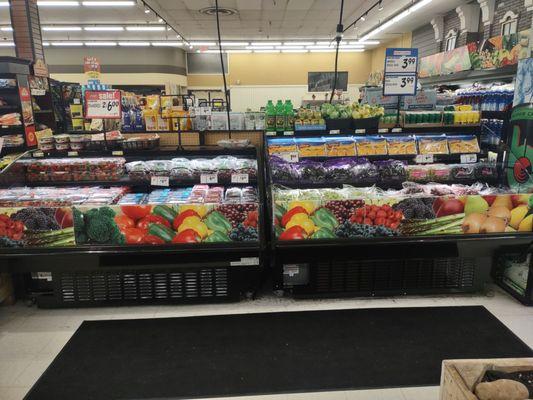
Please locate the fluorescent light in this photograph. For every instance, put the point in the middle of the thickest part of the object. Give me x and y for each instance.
(330, 43)
(351, 50)
(298, 43)
(290, 47)
(46, 3)
(6, 29)
(321, 47)
(108, 3)
(236, 44)
(211, 51)
(266, 51)
(103, 28)
(101, 44)
(294, 51)
(260, 47)
(67, 44)
(160, 20)
(419, 5)
(134, 44)
(167, 44)
(367, 42)
(46, 44)
(238, 51)
(61, 28)
(266, 43)
(4, 3)
(203, 43)
(321, 51)
(145, 28)
(7, 44)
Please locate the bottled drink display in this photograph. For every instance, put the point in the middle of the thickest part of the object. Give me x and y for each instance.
(279, 117)
(496, 98)
(270, 116)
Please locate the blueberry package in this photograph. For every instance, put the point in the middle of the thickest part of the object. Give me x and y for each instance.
(391, 171)
(340, 170)
(282, 171)
(311, 171)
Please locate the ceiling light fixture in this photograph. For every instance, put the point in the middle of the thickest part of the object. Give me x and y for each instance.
(329, 43)
(119, 3)
(363, 17)
(45, 3)
(289, 47)
(103, 28)
(7, 44)
(71, 44)
(367, 42)
(266, 43)
(395, 19)
(46, 44)
(211, 51)
(236, 44)
(203, 43)
(6, 29)
(169, 28)
(260, 48)
(238, 51)
(298, 43)
(61, 28)
(145, 28)
(380, 7)
(134, 44)
(101, 44)
(351, 50)
(167, 44)
(4, 3)
(322, 50)
(147, 11)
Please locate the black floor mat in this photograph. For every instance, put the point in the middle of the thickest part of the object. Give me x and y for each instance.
(270, 353)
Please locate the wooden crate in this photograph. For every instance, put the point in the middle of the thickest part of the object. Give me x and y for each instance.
(459, 377)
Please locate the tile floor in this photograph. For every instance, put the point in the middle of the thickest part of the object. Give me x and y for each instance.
(30, 338)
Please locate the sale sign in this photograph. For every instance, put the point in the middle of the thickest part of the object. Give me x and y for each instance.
(103, 104)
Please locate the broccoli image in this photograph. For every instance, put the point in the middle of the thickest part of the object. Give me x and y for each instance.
(97, 226)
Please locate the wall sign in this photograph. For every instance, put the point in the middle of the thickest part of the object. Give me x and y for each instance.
(400, 72)
(105, 104)
(91, 68)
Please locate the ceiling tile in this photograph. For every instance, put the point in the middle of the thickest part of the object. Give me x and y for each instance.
(299, 4)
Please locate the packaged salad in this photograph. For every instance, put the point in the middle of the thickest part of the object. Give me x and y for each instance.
(371, 146)
(401, 145)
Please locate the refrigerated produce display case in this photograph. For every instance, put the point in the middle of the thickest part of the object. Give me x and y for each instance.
(410, 212)
(99, 227)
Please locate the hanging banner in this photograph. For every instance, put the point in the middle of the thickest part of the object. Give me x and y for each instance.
(104, 104)
(400, 72)
(91, 68)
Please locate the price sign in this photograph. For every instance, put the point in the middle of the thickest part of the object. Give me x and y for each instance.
(117, 153)
(383, 130)
(72, 154)
(400, 72)
(270, 133)
(424, 159)
(159, 181)
(396, 130)
(334, 131)
(38, 154)
(288, 133)
(290, 156)
(106, 104)
(468, 158)
(401, 61)
(360, 130)
(399, 85)
(240, 178)
(208, 178)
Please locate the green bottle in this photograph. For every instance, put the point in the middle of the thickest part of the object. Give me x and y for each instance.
(280, 116)
(289, 113)
(270, 116)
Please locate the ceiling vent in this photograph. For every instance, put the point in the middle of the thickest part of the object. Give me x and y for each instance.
(224, 12)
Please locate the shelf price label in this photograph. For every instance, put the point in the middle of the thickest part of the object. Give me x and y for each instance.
(398, 85)
(160, 181)
(240, 178)
(117, 153)
(105, 104)
(72, 154)
(424, 158)
(270, 133)
(290, 156)
(468, 158)
(360, 131)
(288, 133)
(208, 178)
(334, 131)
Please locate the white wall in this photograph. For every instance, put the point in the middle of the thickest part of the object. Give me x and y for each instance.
(256, 96)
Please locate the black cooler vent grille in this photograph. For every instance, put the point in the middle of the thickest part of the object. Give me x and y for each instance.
(141, 286)
(367, 276)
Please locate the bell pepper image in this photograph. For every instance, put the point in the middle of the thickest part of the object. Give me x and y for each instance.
(217, 222)
(186, 236)
(324, 218)
(195, 224)
(323, 233)
(279, 211)
(309, 206)
(178, 220)
(303, 222)
(201, 210)
(291, 213)
(294, 233)
(217, 236)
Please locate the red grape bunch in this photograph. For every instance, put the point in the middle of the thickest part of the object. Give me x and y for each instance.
(343, 209)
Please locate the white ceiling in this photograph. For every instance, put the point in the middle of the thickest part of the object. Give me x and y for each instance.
(255, 20)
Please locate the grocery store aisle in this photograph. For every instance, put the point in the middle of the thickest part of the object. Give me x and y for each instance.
(30, 338)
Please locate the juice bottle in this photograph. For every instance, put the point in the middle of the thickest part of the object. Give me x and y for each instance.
(280, 116)
(270, 116)
(289, 113)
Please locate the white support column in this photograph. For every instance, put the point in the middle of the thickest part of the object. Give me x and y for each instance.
(487, 10)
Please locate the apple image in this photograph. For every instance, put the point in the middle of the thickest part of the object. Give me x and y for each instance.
(450, 207)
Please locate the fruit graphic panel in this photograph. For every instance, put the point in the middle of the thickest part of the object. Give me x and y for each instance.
(409, 216)
(36, 227)
(165, 224)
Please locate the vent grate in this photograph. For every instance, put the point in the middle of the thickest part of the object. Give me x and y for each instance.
(367, 276)
(143, 286)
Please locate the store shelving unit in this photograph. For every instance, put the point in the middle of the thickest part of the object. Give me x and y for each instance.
(390, 265)
(91, 275)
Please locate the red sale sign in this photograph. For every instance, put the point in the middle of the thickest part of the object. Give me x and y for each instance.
(103, 104)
